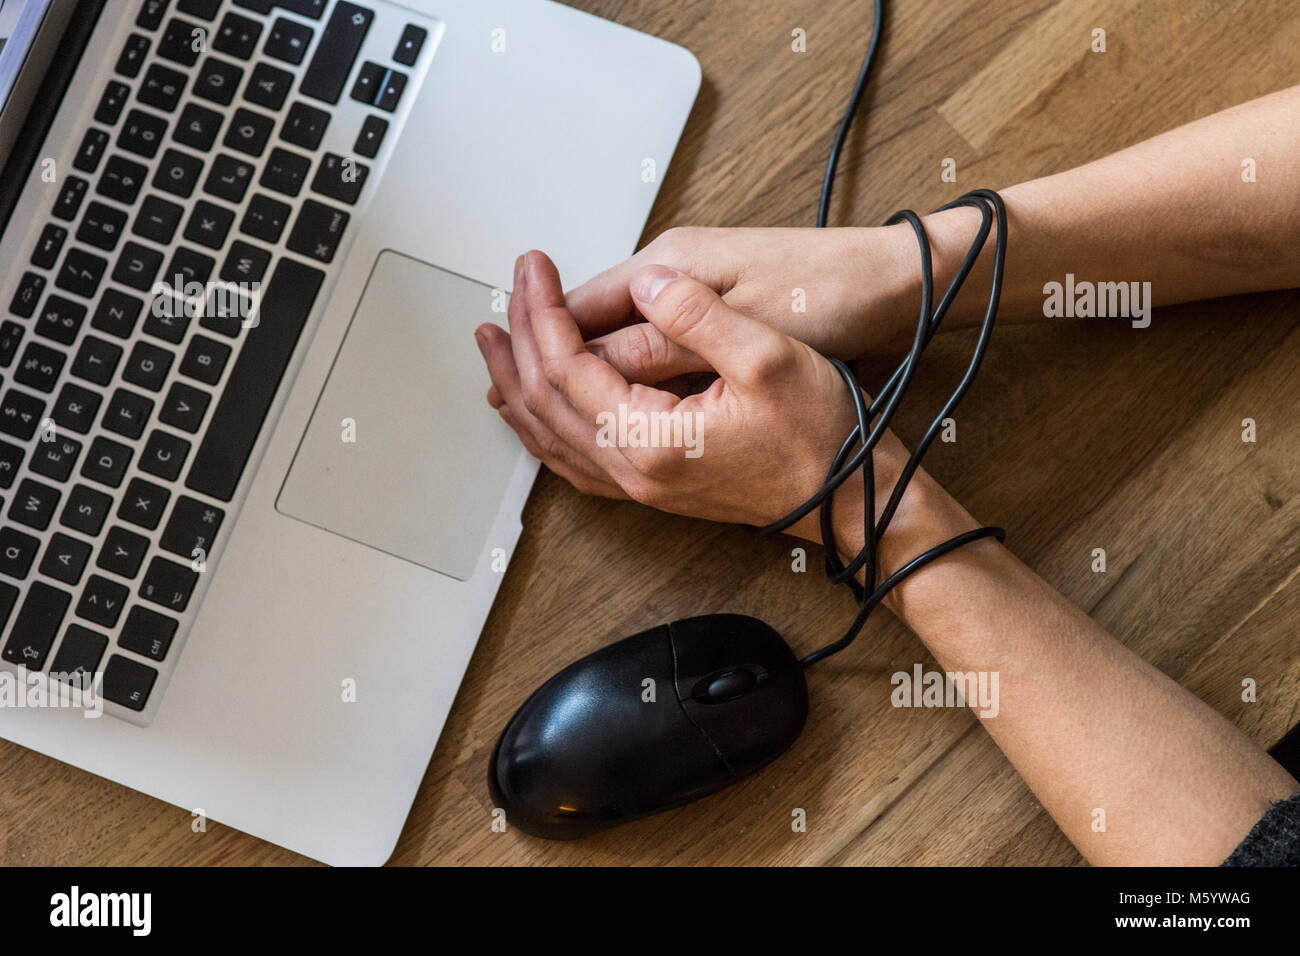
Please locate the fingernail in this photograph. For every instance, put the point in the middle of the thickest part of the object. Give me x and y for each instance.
(481, 341)
(649, 282)
(519, 273)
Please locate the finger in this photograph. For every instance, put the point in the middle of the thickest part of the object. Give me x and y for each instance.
(587, 484)
(744, 351)
(603, 304)
(589, 384)
(541, 441)
(539, 397)
(641, 353)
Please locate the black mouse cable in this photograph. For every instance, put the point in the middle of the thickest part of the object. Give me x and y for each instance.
(864, 437)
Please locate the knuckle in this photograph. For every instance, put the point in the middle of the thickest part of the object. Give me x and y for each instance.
(690, 308)
(643, 348)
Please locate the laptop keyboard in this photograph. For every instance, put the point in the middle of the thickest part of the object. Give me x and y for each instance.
(150, 329)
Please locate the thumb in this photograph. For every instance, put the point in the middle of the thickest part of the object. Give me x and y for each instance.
(644, 355)
(692, 315)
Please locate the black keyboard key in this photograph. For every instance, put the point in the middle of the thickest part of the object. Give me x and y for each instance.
(127, 682)
(285, 172)
(147, 366)
(307, 8)
(318, 231)
(27, 295)
(40, 367)
(206, 9)
(55, 459)
(122, 179)
(78, 657)
(304, 126)
(151, 14)
(340, 177)
(127, 414)
(82, 271)
(36, 625)
(184, 408)
(117, 313)
(49, 246)
(209, 224)
(102, 600)
(268, 86)
(76, 407)
(8, 598)
(164, 455)
(337, 51)
(390, 90)
(96, 360)
(254, 380)
(110, 104)
(265, 218)
(105, 462)
(157, 220)
(368, 83)
(409, 46)
(161, 88)
(168, 319)
(226, 311)
(34, 504)
(245, 263)
(68, 203)
(237, 36)
(17, 552)
(133, 54)
(11, 458)
(142, 133)
(190, 267)
(371, 136)
(144, 503)
(168, 584)
(101, 227)
(91, 151)
(86, 510)
(65, 559)
(191, 529)
(178, 41)
(197, 127)
(288, 40)
(228, 178)
(137, 266)
(122, 552)
(205, 359)
(20, 414)
(249, 132)
(147, 633)
(11, 336)
(178, 173)
(218, 81)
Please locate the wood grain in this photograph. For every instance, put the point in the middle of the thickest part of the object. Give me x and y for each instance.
(1074, 437)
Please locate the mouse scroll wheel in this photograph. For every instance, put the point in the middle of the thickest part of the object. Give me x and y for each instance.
(726, 686)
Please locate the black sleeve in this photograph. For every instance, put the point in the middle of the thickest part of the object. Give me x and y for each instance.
(1274, 840)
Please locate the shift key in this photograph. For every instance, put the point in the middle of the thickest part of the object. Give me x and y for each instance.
(336, 52)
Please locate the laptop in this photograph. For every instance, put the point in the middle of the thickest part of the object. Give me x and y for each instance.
(254, 508)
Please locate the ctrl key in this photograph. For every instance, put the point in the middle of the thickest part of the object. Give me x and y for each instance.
(128, 682)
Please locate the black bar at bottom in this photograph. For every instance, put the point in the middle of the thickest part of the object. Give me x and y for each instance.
(254, 380)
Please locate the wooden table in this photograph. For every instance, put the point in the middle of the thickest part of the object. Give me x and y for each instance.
(1074, 437)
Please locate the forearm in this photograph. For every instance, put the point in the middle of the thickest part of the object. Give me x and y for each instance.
(1088, 724)
(1173, 211)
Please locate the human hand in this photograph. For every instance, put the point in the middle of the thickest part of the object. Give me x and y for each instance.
(770, 424)
(844, 292)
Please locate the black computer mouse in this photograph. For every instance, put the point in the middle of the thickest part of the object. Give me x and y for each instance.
(646, 724)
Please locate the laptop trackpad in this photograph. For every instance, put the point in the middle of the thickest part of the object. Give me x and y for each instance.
(402, 453)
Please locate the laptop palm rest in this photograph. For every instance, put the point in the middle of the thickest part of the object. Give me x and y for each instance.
(402, 453)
